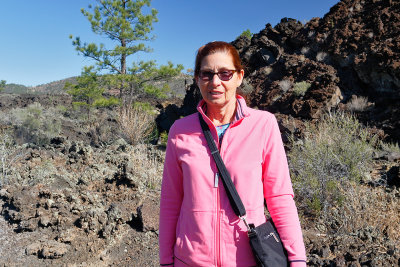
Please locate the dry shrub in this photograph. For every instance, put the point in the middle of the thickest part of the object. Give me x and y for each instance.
(137, 123)
(305, 50)
(373, 208)
(285, 85)
(321, 56)
(7, 149)
(148, 165)
(357, 103)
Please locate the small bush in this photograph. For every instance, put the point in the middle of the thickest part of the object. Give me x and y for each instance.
(103, 102)
(164, 138)
(2, 85)
(137, 124)
(7, 148)
(145, 106)
(357, 103)
(337, 150)
(301, 88)
(148, 162)
(160, 93)
(247, 33)
(34, 124)
(321, 56)
(304, 50)
(389, 147)
(62, 109)
(285, 85)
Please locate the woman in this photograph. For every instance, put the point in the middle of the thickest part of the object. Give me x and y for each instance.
(197, 224)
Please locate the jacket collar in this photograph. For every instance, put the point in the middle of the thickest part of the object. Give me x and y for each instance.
(242, 110)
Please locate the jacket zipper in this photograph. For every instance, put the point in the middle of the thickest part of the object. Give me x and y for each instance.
(219, 261)
(218, 230)
(218, 226)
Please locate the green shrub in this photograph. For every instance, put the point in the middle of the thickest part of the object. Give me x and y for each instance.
(34, 124)
(300, 88)
(247, 33)
(337, 150)
(62, 109)
(106, 102)
(145, 106)
(157, 92)
(389, 147)
(164, 138)
(2, 85)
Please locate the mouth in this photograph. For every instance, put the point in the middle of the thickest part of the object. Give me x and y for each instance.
(215, 93)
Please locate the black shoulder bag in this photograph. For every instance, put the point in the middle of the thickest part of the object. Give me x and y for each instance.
(264, 239)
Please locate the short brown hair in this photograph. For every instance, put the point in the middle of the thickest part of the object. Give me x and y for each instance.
(213, 47)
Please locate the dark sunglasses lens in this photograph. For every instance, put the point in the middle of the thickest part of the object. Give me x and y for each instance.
(225, 75)
(206, 75)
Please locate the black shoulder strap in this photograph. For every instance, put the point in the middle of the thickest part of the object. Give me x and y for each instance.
(230, 189)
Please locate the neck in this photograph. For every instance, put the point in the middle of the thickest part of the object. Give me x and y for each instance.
(221, 115)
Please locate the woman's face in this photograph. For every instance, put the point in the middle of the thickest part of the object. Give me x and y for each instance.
(216, 92)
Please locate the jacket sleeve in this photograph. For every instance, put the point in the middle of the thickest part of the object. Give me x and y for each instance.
(170, 203)
(278, 193)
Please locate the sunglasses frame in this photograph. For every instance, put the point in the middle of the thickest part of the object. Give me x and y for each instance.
(209, 77)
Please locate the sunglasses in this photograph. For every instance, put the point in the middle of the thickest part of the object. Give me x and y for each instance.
(224, 75)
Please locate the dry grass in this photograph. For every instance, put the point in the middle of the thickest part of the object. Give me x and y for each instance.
(372, 207)
(148, 165)
(136, 123)
(285, 85)
(357, 103)
(5, 151)
(321, 56)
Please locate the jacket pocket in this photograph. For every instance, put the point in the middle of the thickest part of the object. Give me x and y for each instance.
(236, 250)
(195, 238)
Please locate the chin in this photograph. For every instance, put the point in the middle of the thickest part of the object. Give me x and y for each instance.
(216, 102)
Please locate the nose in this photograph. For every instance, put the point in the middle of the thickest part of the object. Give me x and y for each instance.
(215, 79)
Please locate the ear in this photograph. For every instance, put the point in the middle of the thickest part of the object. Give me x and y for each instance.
(240, 76)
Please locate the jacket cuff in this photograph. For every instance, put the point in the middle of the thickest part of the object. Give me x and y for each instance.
(299, 263)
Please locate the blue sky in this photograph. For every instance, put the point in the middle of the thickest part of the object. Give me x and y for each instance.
(35, 47)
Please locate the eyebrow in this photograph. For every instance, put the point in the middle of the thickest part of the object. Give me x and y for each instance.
(220, 69)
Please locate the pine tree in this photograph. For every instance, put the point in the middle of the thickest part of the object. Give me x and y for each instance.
(88, 92)
(2, 85)
(122, 22)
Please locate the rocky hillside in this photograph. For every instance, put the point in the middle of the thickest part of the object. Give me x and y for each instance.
(176, 86)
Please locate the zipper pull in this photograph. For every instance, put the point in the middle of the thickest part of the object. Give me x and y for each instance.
(216, 180)
(276, 238)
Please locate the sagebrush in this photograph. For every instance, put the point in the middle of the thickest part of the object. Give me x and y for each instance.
(334, 152)
(33, 124)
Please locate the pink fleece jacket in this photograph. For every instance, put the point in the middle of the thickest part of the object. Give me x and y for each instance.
(197, 224)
